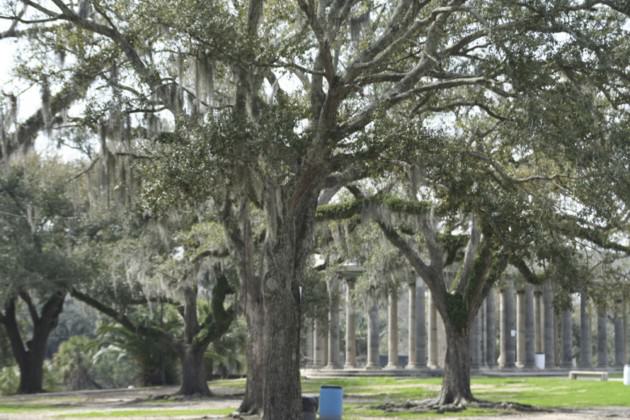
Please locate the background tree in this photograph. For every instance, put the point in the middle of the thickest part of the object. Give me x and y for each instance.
(172, 268)
(40, 258)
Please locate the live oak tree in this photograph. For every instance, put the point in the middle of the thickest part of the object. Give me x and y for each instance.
(349, 62)
(175, 265)
(39, 258)
(461, 244)
(508, 176)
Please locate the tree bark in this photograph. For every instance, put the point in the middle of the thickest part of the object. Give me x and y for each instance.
(238, 229)
(31, 374)
(194, 378)
(290, 214)
(456, 380)
(254, 315)
(282, 389)
(197, 336)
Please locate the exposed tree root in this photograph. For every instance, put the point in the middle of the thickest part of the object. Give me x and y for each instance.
(435, 405)
(247, 411)
(244, 416)
(171, 397)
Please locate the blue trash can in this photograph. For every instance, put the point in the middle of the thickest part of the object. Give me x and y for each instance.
(330, 402)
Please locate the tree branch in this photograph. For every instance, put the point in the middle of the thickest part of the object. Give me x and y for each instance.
(412, 256)
(149, 76)
(471, 248)
(402, 89)
(400, 27)
(13, 332)
(52, 309)
(31, 306)
(109, 311)
(526, 272)
(72, 91)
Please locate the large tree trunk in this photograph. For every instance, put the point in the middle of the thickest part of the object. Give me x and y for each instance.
(30, 357)
(253, 398)
(287, 248)
(32, 373)
(194, 379)
(193, 369)
(282, 391)
(456, 380)
(239, 232)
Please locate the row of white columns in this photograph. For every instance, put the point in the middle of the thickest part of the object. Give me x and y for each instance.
(526, 327)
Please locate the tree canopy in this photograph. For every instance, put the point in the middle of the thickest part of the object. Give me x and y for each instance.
(493, 111)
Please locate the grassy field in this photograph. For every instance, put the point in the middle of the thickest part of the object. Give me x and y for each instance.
(362, 396)
(540, 392)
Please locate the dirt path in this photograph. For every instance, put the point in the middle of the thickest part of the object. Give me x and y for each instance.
(146, 401)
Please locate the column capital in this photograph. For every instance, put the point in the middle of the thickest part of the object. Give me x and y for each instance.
(507, 283)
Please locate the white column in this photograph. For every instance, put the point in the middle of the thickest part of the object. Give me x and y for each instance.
(620, 335)
(433, 332)
(586, 351)
(567, 339)
(372, 333)
(333, 326)
(506, 326)
(411, 327)
(421, 328)
(351, 345)
(550, 326)
(602, 342)
(392, 330)
(491, 329)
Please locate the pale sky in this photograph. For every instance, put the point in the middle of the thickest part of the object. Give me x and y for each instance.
(28, 97)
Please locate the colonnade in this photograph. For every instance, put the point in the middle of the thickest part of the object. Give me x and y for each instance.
(515, 323)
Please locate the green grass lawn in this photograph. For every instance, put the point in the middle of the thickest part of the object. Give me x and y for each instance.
(152, 413)
(544, 392)
(15, 408)
(364, 393)
(536, 391)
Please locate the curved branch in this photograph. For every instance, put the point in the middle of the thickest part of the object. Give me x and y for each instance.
(471, 248)
(30, 305)
(413, 257)
(403, 88)
(71, 92)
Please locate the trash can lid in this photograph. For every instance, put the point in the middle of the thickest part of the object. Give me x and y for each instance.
(331, 387)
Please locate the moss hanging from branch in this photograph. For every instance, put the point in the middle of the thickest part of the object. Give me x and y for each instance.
(339, 211)
(390, 204)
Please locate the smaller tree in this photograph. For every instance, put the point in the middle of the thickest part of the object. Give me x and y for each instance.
(171, 265)
(37, 218)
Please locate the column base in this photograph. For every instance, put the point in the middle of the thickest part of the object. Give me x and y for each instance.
(391, 367)
(331, 367)
(372, 367)
(412, 367)
(350, 367)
